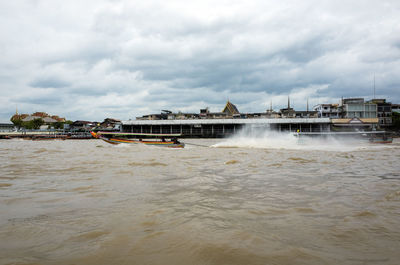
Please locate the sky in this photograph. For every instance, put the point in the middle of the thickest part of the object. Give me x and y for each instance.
(97, 59)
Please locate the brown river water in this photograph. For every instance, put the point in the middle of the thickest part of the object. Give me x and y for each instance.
(237, 201)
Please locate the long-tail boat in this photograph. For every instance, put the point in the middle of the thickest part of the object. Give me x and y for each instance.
(156, 139)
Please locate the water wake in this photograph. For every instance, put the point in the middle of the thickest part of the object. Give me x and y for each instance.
(268, 139)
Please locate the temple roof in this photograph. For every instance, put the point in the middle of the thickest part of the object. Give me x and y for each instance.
(230, 108)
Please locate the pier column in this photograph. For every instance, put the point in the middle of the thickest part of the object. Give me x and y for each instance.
(212, 129)
(170, 129)
(151, 128)
(300, 127)
(290, 127)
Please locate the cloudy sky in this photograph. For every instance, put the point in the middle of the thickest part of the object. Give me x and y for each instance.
(90, 60)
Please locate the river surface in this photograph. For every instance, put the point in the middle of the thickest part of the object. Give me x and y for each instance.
(237, 201)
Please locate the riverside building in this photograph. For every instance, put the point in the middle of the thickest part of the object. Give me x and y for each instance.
(351, 114)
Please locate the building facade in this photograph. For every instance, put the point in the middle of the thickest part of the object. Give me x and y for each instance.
(384, 112)
(7, 127)
(358, 108)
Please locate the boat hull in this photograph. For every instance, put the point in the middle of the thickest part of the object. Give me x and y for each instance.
(169, 144)
(381, 141)
(48, 137)
(374, 137)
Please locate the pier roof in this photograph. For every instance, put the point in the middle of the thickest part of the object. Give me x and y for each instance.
(228, 121)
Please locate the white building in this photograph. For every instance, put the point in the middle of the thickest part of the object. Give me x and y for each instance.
(327, 110)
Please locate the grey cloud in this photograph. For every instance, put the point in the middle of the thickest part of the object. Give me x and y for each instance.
(51, 82)
(162, 57)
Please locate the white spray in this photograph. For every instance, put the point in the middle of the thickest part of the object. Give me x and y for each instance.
(253, 137)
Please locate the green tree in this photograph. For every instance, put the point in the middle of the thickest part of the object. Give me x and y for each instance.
(27, 125)
(17, 121)
(37, 123)
(33, 124)
(58, 125)
(396, 121)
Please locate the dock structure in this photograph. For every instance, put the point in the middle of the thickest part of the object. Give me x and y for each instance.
(218, 128)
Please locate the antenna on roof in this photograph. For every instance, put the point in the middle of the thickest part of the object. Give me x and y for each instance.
(374, 85)
(307, 104)
(288, 102)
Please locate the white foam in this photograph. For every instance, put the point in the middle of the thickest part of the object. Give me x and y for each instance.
(257, 138)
